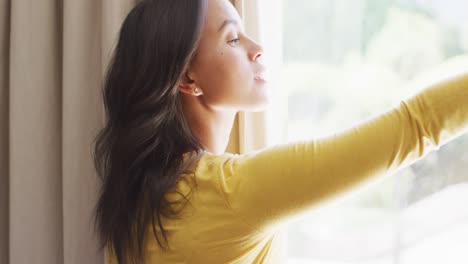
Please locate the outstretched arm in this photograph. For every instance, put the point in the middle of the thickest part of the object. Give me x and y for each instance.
(268, 185)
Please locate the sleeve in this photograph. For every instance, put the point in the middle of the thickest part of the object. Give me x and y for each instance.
(268, 185)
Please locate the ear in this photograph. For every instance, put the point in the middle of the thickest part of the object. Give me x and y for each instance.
(188, 86)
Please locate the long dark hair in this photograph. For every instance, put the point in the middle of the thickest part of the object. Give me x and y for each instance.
(138, 152)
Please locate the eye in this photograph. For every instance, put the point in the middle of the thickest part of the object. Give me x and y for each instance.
(234, 40)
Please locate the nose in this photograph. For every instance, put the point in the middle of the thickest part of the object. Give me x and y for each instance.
(256, 52)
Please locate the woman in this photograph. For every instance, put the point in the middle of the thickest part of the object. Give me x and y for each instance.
(181, 71)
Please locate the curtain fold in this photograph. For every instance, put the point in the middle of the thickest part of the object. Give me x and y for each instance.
(53, 55)
(4, 119)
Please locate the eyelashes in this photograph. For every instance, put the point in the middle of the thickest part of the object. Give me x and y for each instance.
(236, 40)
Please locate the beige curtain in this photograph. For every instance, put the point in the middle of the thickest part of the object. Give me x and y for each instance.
(52, 59)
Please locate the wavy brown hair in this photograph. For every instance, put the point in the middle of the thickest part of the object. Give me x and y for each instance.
(138, 152)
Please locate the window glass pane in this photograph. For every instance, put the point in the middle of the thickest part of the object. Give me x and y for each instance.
(343, 62)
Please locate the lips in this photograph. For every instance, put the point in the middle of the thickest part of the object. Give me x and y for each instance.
(260, 73)
(260, 79)
(261, 76)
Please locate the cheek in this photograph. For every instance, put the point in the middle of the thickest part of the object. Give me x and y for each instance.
(225, 71)
(226, 78)
(233, 68)
(232, 76)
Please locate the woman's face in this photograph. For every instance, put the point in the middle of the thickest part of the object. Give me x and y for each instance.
(226, 67)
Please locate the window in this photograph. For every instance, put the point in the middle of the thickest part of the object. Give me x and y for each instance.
(340, 62)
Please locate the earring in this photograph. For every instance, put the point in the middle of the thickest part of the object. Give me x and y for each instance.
(196, 89)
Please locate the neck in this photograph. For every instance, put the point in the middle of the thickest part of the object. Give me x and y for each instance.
(211, 127)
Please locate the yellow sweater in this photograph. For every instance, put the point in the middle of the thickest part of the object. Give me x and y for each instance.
(241, 201)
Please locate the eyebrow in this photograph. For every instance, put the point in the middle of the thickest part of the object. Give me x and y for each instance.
(227, 22)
